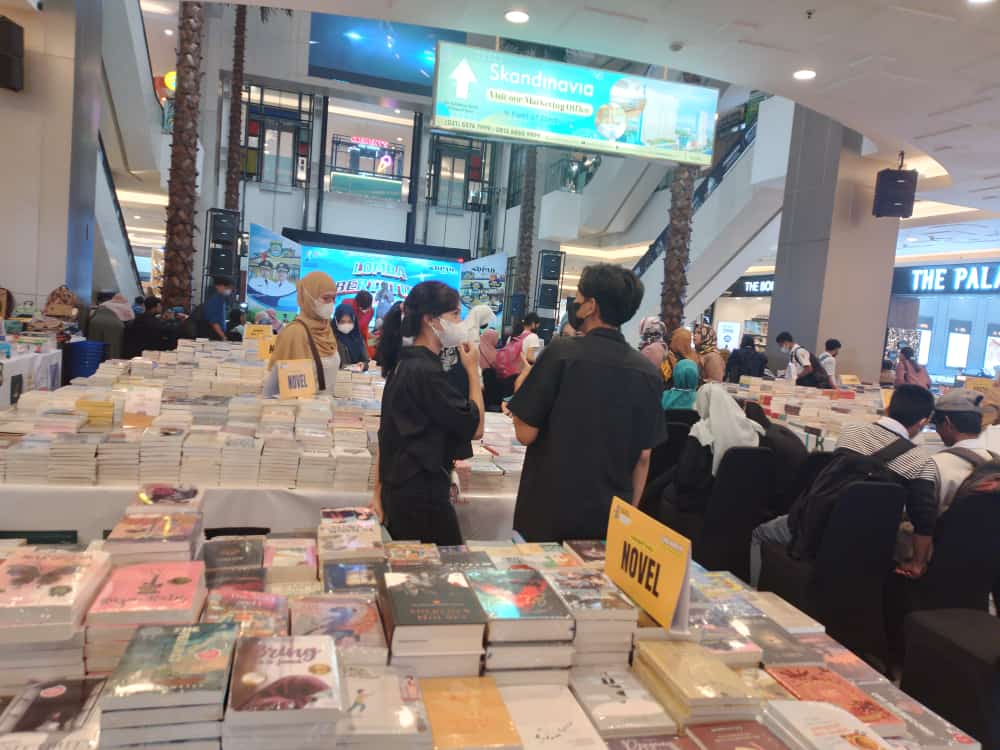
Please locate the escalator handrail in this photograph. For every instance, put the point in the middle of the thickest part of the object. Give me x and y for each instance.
(118, 209)
(708, 185)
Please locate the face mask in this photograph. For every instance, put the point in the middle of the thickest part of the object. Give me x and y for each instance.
(345, 328)
(324, 309)
(573, 316)
(451, 334)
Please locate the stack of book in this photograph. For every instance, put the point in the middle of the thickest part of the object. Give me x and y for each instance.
(160, 454)
(386, 711)
(317, 469)
(154, 537)
(605, 619)
(922, 727)
(162, 497)
(589, 552)
(349, 534)
(285, 693)
(60, 714)
(617, 703)
(201, 459)
(778, 646)
(530, 631)
(468, 712)
(808, 725)
(359, 577)
(170, 687)
(100, 412)
(730, 735)
(240, 459)
(787, 617)
(433, 621)
(694, 686)
(290, 560)
(279, 463)
(351, 619)
(342, 386)
(401, 555)
(118, 458)
(235, 562)
(714, 629)
(136, 595)
(354, 467)
(44, 595)
(840, 659)
(462, 558)
(257, 614)
(28, 459)
(543, 712)
(73, 459)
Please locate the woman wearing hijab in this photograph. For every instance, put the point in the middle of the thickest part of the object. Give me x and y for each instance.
(350, 344)
(680, 348)
(310, 335)
(713, 366)
(909, 371)
(722, 426)
(685, 387)
(652, 333)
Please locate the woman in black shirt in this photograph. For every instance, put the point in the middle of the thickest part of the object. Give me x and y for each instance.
(426, 423)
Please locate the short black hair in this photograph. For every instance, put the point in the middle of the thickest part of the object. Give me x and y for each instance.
(222, 281)
(104, 296)
(531, 319)
(966, 422)
(617, 290)
(785, 338)
(906, 352)
(910, 404)
(363, 298)
(747, 340)
(151, 303)
(832, 344)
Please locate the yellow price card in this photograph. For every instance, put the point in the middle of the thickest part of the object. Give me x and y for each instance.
(979, 385)
(257, 331)
(296, 378)
(651, 563)
(850, 380)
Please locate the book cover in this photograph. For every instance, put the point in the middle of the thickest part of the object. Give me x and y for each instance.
(52, 706)
(516, 593)
(234, 552)
(696, 676)
(169, 498)
(923, 726)
(173, 665)
(32, 577)
(464, 559)
(384, 704)
(404, 554)
(823, 726)
(338, 541)
(294, 674)
(654, 742)
(257, 615)
(338, 576)
(467, 712)
(779, 646)
(351, 620)
(761, 681)
(547, 716)
(244, 579)
(735, 735)
(283, 553)
(736, 652)
(588, 592)
(150, 587)
(335, 516)
(590, 551)
(784, 614)
(840, 659)
(431, 595)
(155, 528)
(617, 702)
(820, 684)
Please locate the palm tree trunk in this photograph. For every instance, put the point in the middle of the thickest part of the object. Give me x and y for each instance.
(234, 151)
(677, 254)
(178, 257)
(526, 224)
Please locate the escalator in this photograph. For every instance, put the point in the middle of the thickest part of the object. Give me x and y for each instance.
(114, 260)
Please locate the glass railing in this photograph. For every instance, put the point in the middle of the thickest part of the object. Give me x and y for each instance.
(708, 185)
(364, 184)
(571, 175)
(119, 214)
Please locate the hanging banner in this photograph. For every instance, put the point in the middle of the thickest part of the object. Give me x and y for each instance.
(273, 270)
(484, 283)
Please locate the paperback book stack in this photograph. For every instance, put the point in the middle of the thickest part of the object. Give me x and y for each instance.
(462, 558)
(235, 562)
(923, 727)
(543, 711)
(386, 711)
(285, 693)
(279, 463)
(312, 419)
(44, 596)
(100, 411)
(136, 595)
(618, 704)
(433, 622)
(256, 614)
(530, 631)
(60, 714)
(201, 459)
(725, 637)
(778, 646)
(342, 387)
(118, 458)
(590, 552)
(154, 537)
(317, 468)
(170, 687)
(787, 617)
(291, 560)
(402, 555)
(349, 534)
(694, 686)
(240, 459)
(730, 735)
(351, 619)
(245, 409)
(354, 578)
(468, 712)
(354, 468)
(277, 419)
(819, 726)
(605, 619)
(28, 459)
(73, 459)
(160, 454)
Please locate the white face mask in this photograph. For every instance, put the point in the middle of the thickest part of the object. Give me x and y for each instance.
(324, 309)
(451, 334)
(345, 328)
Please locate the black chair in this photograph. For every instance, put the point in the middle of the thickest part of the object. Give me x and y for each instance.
(953, 667)
(844, 586)
(805, 475)
(664, 456)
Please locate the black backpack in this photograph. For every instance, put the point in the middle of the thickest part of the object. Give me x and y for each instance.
(818, 378)
(810, 513)
(985, 476)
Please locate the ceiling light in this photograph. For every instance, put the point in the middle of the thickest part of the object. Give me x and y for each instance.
(806, 74)
(160, 9)
(145, 199)
(911, 239)
(399, 138)
(137, 218)
(313, 41)
(396, 111)
(515, 15)
(980, 2)
(168, 32)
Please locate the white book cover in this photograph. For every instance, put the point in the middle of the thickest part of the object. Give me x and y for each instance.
(548, 716)
(617, 702)
(791, 619)
(383, 704)
(820, 726)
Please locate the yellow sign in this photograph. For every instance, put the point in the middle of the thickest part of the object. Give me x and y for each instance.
(170, 80)
(265, 348)
(850, 380)
(650, 562)
(979, 385)
(255, 331)
(886, 398)
(296, 378)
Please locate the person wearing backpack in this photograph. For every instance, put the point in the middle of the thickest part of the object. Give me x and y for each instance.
(803, 366)
(958, 419)
(881, 451)
(509, 362)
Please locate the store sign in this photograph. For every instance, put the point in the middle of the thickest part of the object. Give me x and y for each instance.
(498, 95)
(964, 279)
(753, 286)
(365, 141)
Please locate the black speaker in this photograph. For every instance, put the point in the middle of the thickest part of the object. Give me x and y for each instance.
(550, 266)
(225, 226)
(11, 55)
(224, 262)
(895, 191)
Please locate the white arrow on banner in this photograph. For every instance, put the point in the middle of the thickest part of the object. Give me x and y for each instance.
(462, 76)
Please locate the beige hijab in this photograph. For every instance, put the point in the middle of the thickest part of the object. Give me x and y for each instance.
(293, 342)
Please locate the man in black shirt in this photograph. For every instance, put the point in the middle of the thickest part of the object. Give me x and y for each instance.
(589, 412)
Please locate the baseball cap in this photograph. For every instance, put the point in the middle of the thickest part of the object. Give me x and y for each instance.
(960, 400)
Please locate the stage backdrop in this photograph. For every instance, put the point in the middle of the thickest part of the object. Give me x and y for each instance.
(273, 270)
(483, 281)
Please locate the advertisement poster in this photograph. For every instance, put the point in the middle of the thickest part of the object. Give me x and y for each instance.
(483, 283)
(273, 270)
(957, 354)
(991, 365)
(495, 94)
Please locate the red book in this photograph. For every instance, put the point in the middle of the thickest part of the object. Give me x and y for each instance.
(169, 592)
(735, 735)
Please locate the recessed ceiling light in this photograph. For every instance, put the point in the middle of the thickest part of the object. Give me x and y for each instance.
(137, 218)
(396, 111)
(911, 239)
(806, 74)
(980, 2)
(399, 138)
(168, 32)
(515, 15)
(159, 9)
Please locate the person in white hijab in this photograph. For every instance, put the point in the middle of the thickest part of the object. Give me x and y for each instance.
(723, 425)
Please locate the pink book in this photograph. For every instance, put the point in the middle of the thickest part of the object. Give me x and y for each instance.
(154, 528)
(169, 592)
(40, 586)
(290, 552)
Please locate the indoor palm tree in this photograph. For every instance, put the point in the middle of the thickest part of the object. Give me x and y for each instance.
(526, 225)
(677, 252)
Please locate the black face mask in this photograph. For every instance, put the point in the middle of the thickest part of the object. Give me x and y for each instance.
(572, 317)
